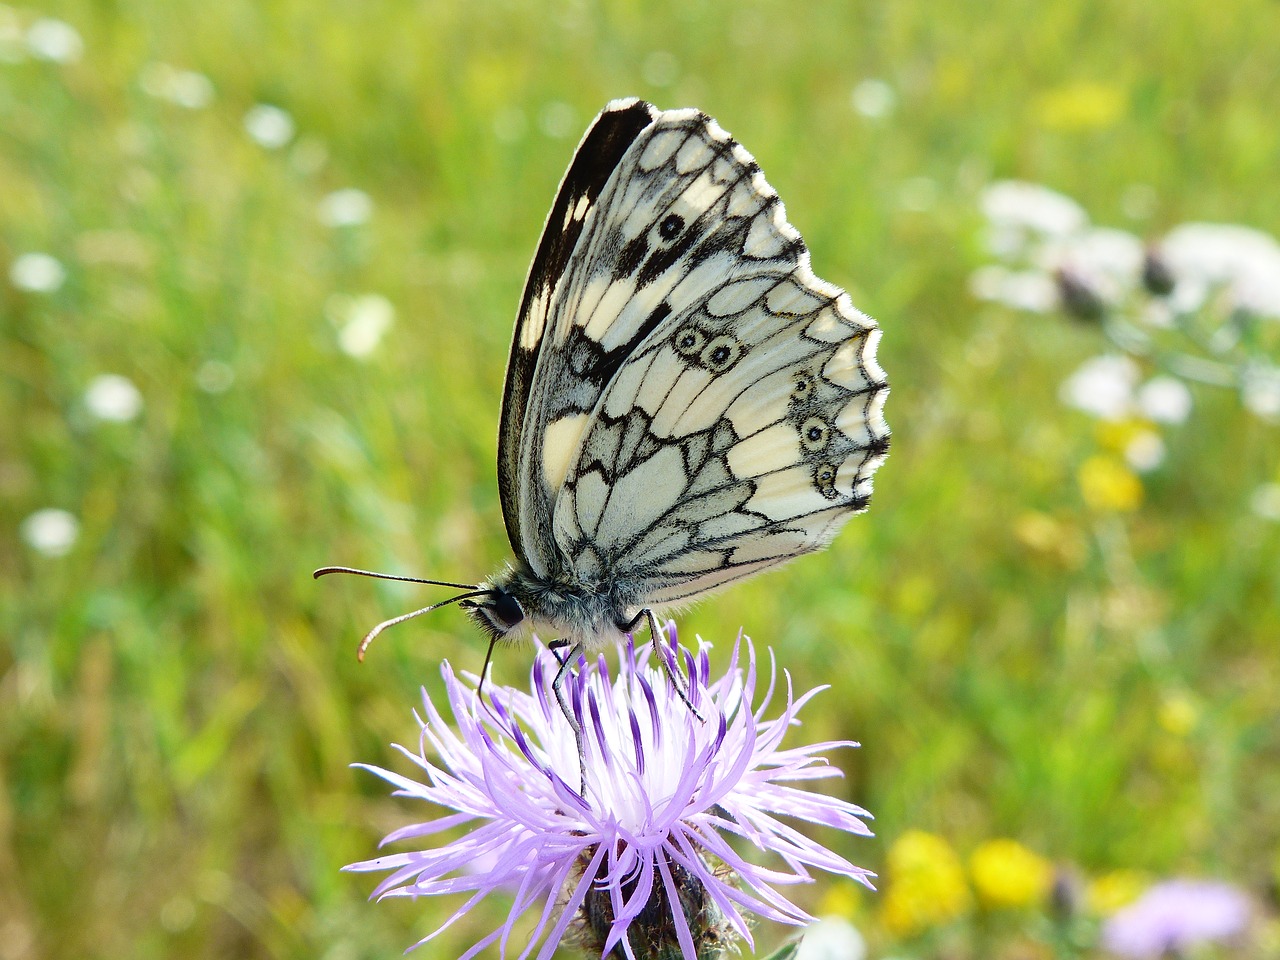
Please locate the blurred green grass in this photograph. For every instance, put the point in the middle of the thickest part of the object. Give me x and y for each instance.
(180, 700)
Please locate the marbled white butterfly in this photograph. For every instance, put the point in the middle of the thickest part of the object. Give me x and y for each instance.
(686, 403)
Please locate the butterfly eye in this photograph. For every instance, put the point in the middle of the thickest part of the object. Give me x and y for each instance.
(507, 609)
(824, 478)
(670, 227)
(689, 341)
(721, 354)
(814, 434)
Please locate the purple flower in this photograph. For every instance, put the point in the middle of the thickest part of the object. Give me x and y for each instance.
(1175, 915)
(664, 790)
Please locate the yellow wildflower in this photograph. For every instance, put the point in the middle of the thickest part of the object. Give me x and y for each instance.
(1007, 874)
(1116, 435)
(925, 884)
(1081, 106)
(1178, 714)
(1111, 891)
(842, 899)
(1108, 485)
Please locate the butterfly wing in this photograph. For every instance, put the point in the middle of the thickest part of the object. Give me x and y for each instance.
(711, 408)
(529, 397)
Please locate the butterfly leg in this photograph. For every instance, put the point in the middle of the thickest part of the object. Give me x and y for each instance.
(678, 680)
(557, 687)
(555, 646)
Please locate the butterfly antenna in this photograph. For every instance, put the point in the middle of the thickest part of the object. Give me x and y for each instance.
(323, 571)
(368, 637)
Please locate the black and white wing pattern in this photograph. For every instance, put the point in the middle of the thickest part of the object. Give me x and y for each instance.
(695, 405)
(526, 491)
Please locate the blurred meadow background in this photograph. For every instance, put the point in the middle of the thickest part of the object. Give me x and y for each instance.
(259, 264)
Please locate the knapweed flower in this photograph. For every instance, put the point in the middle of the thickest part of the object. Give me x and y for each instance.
(664, 791)
(1175, 916)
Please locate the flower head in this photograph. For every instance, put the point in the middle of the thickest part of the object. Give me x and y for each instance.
(1174, 916)
(110, 396)
(1007, 874)
(37, 273)
(1200, 258)
(348, 207)
(51, 531)
(663, 791)
(268, 126)
(926, 884)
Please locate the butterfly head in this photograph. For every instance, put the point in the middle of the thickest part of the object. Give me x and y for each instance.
(497, 611)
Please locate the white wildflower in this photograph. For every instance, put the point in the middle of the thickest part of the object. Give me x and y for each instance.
(348, 207)
(1165, 399)
(1145, 451)
(268, 126)
(37, 273)
(832, 938)
(1106, 261)
(50, 531)
(54, 40)
(362, 322)
(1102, 386)
(1028, 290)
(1205, 257)
(113, 397)
(1019, 213)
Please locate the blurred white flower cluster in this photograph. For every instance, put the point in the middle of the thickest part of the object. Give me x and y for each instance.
(1050, 257)
(1200, 303)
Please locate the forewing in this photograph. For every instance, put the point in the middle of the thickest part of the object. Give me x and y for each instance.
(559, 255)
(737, 419)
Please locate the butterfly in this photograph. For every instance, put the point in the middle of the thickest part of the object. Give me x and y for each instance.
(686, 403)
